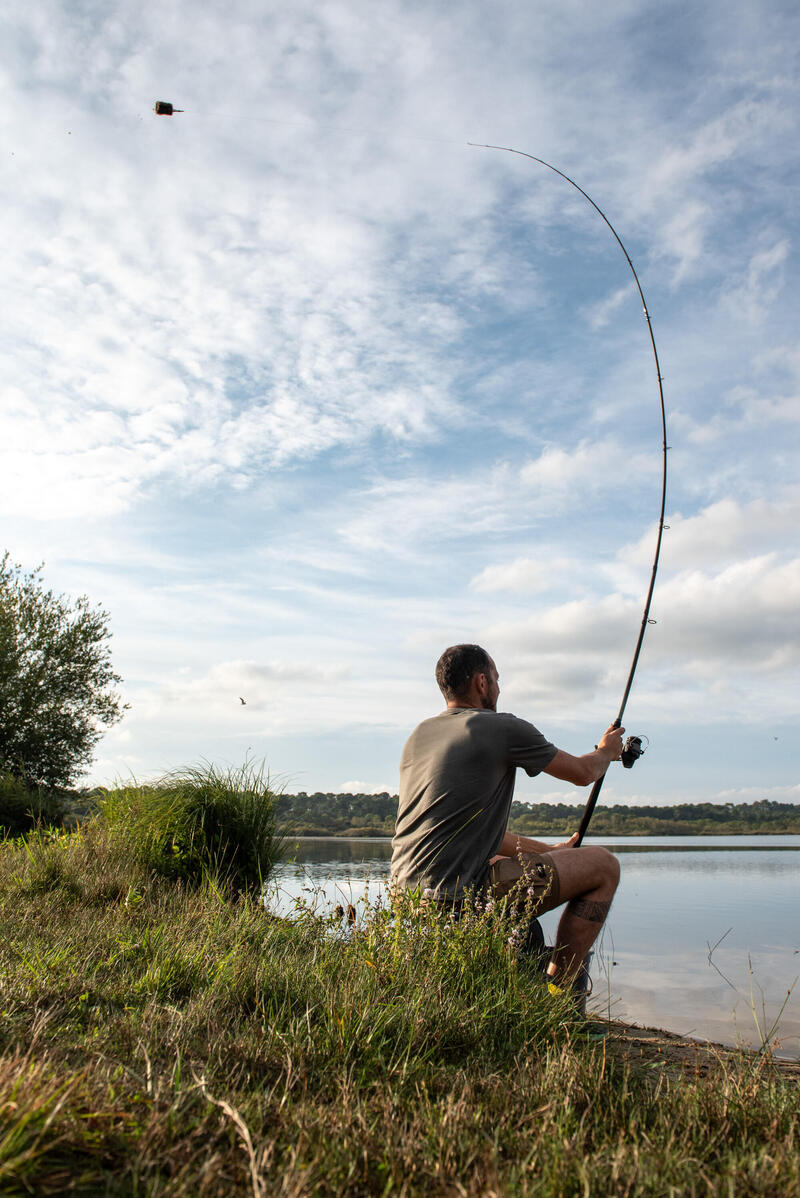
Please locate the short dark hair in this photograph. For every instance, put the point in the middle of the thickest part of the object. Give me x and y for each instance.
(456, 666)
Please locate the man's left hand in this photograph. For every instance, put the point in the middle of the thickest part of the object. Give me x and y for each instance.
(565, 844)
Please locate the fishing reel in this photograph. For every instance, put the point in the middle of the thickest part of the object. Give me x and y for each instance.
(631, 751)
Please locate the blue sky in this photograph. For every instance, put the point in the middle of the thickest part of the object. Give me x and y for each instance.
(301, 388)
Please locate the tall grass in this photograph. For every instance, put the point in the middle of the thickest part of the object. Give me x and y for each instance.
(200, 822)
(157, 1038)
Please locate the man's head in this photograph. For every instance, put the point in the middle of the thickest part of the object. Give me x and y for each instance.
(467, 677)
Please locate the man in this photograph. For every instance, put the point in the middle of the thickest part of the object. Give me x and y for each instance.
(456, 784)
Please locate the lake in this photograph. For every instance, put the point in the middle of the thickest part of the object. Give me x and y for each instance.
(703, 938)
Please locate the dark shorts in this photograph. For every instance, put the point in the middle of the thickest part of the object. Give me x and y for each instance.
(529, 881)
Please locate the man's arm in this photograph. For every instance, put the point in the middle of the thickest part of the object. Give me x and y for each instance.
(513, 844)
(583, 770)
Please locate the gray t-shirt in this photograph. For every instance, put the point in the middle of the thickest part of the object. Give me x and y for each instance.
(456, 785)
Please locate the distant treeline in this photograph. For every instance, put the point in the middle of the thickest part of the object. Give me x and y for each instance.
(374, 815)
(337, 815)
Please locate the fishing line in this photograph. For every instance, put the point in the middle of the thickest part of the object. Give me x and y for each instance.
(633, 744)
(166, 108)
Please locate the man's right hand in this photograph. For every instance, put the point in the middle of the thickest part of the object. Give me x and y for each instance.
(611, 742)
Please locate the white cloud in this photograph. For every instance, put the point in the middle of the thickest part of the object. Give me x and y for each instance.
(205, 329)
(715, 141)
(684, 235)
(525, 574)
(752, 298)
(679, 180)
(600, 314)
(589, 465)
(723, 532)
(754, 794)
(223, 369)
(743, 413)
(581, 628)
(721, 634)
(280, 698)
(214, 696)
(401, 516)
(745, 615)
(366, 788)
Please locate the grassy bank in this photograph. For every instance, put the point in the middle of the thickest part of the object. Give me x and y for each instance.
(165, 1035)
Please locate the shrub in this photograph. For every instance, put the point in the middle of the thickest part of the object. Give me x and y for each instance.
(23, 807)
(200, 822)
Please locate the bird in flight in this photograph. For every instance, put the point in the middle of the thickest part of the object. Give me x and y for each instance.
(242, 701)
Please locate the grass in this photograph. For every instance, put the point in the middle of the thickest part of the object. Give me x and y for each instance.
(165, 1035)
(199, 822)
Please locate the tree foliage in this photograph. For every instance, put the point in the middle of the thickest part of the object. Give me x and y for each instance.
(684, 819)
(329, 814)
(374, 815)
(56, 679)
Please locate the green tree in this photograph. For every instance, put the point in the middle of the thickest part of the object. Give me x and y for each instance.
(56, 680)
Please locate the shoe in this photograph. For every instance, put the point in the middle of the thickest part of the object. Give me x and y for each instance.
(580, 989)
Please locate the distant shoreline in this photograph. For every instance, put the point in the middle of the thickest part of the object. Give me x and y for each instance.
(601, 836)
(362, 816)
(374, 815)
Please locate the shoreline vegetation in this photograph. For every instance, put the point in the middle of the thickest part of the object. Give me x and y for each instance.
(163, 1033)
(342, 815)
(345, 815)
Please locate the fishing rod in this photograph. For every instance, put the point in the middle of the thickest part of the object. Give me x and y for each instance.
(633, 745)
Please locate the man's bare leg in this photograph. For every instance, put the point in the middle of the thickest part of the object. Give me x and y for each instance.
(588, 879)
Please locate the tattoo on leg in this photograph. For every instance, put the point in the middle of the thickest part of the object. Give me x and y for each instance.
(585, 909)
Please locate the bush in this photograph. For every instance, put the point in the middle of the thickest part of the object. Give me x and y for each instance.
(200, 822)
(23, 807)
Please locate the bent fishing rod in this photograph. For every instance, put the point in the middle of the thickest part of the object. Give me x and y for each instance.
(633, 745)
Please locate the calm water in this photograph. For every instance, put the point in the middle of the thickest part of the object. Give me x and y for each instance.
(703, 938)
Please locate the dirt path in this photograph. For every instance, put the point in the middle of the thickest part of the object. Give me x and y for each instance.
(652, 1049)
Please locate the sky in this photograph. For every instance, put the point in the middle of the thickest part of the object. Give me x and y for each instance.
(302, 388)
